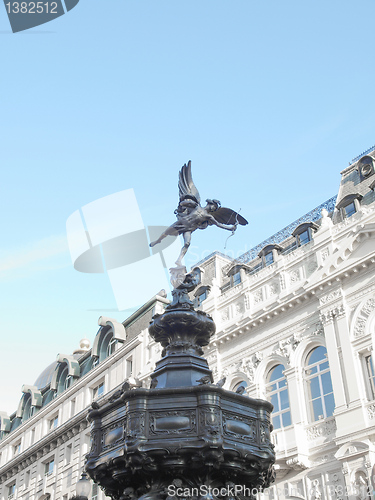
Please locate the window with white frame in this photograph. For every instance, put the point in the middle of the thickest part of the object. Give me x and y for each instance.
(111, 346)
(240, 386)
(98, 390)
(11, 491)
(68, 382)
(370, 376)
(53, 423)
(129, 367)
(319, 384)
(48, 467)
(201, 297)
(268, 259)
(277, 392)
(350, 209)
(349, 205)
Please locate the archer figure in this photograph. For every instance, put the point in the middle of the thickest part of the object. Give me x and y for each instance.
(191, 215)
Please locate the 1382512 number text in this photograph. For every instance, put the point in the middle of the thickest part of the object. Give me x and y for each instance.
(31, 7)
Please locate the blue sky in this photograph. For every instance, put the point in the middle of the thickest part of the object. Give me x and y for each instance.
(270, 101)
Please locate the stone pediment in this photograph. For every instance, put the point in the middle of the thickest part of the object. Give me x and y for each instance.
(352, 449)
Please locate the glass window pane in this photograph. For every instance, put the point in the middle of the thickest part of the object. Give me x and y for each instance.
(276, 373)
(275, 402)
(314, 388)
(284, 399)
(317, 354)
(350, 209)
(282, 383)
(326, 383)
(371, 366)
(304, 238)
(272, 387)
(287, 420)
(276, 422)
(268, 259)
(236, 278)
(329, 402)
(317, 409)
(324, 366)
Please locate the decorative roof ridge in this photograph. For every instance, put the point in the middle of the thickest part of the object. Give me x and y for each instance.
(362, 154)
(286, 232)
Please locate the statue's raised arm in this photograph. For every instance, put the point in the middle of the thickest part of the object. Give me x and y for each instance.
(191, 215)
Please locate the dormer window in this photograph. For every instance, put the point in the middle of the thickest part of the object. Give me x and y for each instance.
(111, 346)
(303, 233)
(350, 209)
(269, 254)
(201, 294)
(236, 278)
(234, 274)
(349, 205)
(201, 298)
(268, 259)
(303, 238)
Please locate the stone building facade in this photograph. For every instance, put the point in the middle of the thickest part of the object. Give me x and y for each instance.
(295, 324)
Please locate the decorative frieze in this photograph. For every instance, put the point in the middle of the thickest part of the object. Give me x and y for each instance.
(294, 276)
(290, 257)
(258, 296)
(371, 411)
(250, 363)
(239, 307)
(324, 254)
(323, 429)
(235, 290)
(311, 266)
(287, 346)
(247, 300)
(360, 322)
(232, 368)
(273, 288)
(328, 315)
(330, 297)
(224, 314)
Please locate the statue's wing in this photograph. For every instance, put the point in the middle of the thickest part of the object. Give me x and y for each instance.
(186, 185)
(228, 216)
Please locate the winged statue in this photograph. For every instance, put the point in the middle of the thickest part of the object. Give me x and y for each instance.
(191, 215)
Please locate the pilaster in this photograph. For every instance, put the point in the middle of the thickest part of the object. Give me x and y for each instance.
(327, 319)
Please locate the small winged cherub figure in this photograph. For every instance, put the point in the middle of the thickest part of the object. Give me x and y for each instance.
(191, 215)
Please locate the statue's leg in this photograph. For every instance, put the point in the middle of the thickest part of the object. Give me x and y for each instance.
(170, 231)
(187, 240)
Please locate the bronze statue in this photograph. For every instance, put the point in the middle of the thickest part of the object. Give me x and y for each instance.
(191, 215)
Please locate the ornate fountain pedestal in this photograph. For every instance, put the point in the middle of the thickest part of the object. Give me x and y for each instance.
(183, 437)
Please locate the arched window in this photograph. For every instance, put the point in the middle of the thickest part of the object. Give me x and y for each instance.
(28, 409)
(277, 392)
(320, 391)
(111, 346)
(240, 386)
(370, 376)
